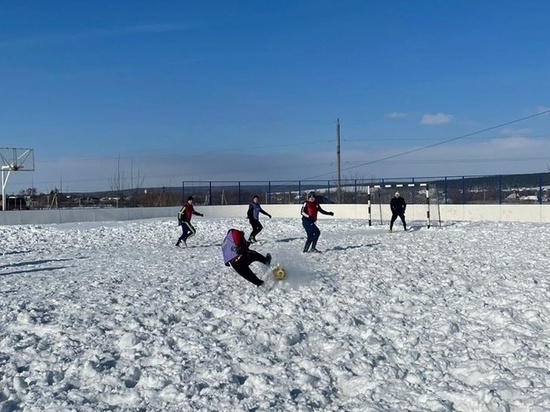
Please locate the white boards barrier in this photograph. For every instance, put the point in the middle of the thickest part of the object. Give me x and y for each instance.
(380, 215)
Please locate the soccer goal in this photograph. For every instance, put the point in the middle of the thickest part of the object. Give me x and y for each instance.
(417, 196)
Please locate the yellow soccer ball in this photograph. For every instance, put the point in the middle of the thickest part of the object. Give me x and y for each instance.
(279, 273)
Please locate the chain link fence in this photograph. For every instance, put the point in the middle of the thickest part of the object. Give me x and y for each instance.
(494, 189)
(498, 189)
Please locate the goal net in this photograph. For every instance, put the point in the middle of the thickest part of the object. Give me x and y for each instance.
(419, 197)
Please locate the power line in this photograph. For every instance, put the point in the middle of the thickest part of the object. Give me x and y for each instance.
(469, 160)
(410, 139)
(454, 139)
(349, 164)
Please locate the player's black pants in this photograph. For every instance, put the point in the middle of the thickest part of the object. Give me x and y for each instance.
(313, 234)
(187, 230)
(242, 263)
(256, 227)
(394, 217)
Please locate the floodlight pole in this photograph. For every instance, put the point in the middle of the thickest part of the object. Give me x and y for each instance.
(4, 183)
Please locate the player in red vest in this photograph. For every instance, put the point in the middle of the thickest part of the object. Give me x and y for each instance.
(237, 255)
(309, 211)
(184, 220)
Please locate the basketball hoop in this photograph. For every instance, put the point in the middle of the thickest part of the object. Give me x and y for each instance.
(14, 160)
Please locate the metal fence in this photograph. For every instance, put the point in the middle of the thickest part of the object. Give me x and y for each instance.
(496, 189)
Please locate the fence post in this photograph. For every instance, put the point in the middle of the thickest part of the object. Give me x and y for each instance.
(540, 189)
(463, 190)
(369, 212)
(428, 204)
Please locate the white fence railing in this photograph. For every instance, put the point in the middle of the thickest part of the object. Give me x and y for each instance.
(380, 214)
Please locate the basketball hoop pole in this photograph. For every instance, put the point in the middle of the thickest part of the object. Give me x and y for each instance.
(4, 183)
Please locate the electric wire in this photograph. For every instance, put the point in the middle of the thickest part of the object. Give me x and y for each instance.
(454, 139)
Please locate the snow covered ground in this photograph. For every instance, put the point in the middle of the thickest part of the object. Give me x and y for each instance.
(112, 316)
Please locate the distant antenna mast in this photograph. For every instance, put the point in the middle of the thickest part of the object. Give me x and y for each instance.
(338, 161)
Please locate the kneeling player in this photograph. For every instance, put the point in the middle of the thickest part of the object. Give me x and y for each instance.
(236, 253)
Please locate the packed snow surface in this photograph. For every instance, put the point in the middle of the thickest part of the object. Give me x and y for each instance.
(113, 316)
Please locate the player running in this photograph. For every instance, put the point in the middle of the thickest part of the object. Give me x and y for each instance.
(309, 211)
(253, 214)
(184, 220)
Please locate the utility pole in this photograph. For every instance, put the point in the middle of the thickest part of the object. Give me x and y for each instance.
(339, 192)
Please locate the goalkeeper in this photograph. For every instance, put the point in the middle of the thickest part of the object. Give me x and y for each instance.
(398, 206)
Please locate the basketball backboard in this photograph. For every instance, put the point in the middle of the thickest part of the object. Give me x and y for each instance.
(16, 159)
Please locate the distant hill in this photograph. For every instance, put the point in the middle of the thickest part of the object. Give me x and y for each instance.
(516, 181)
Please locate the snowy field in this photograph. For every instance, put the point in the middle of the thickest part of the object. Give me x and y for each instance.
(112, 316)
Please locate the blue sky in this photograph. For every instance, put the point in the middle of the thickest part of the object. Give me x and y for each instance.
(251, 90)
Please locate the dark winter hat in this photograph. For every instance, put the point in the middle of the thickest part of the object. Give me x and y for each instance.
(190, 198)
(311, 194)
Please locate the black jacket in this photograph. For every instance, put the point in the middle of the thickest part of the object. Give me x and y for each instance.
(398, 205)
